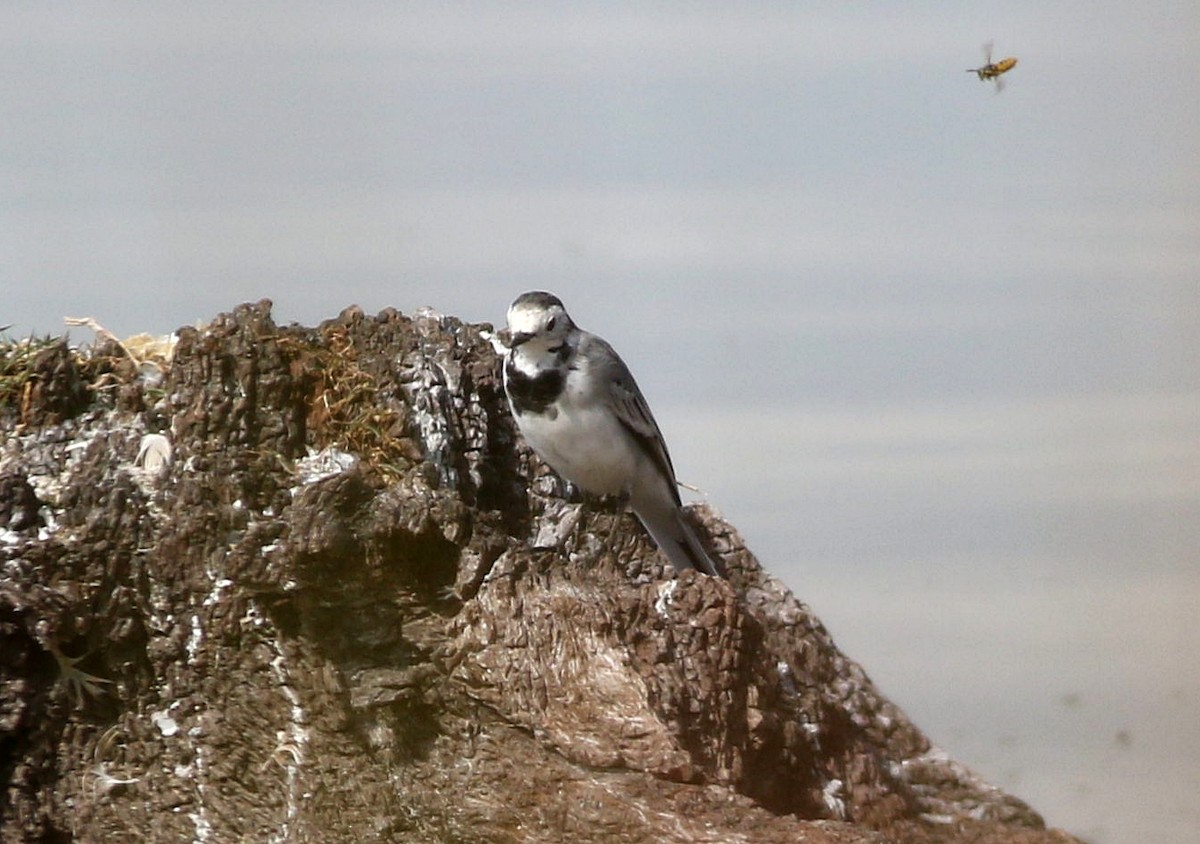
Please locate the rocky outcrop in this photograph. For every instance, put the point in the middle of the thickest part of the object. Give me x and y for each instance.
(306, 584)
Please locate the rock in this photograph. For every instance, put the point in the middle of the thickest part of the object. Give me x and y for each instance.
(309, 585)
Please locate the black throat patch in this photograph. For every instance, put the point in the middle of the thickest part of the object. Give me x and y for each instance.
(533, 394)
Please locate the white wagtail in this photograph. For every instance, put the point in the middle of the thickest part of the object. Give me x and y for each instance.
(578, 406)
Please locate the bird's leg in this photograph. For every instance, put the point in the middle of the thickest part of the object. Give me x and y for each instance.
(571, 493)
(615, 506)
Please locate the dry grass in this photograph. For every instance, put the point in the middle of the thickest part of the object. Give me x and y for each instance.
(345, 409)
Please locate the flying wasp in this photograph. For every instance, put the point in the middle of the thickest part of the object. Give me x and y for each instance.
(994, 70)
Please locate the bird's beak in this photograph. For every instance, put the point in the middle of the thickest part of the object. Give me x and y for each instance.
(513, 340)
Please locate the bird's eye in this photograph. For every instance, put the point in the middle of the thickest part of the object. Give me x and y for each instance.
(553, 321)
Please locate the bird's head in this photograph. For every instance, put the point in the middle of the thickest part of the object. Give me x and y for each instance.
(537, 318)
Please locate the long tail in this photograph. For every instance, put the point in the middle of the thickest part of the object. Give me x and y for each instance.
(675, 536)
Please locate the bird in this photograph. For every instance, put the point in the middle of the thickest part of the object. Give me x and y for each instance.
(577, 405)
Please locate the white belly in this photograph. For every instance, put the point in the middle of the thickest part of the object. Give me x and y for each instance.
(584, 443)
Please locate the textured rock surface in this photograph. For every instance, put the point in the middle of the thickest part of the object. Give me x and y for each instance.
(353, 607)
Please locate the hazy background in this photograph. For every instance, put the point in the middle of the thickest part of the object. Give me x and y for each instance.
(935, 351)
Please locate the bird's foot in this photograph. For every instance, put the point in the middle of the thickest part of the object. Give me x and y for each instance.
(78, 681)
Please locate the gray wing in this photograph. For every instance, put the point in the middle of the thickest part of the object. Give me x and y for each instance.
(630, 406)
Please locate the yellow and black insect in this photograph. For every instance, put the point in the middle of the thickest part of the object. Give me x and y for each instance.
(993, 70)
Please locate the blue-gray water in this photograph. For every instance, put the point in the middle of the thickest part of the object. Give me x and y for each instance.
(935, 351)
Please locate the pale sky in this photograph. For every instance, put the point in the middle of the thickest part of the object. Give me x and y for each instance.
(934, 350)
